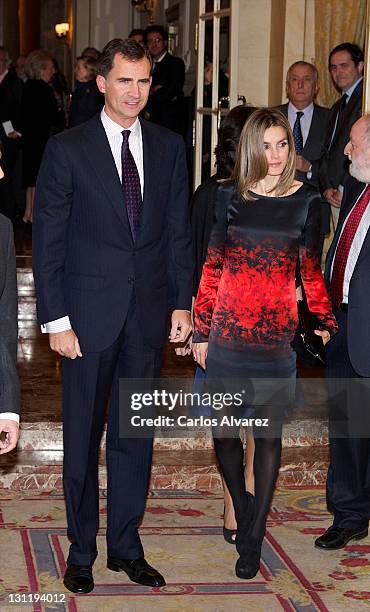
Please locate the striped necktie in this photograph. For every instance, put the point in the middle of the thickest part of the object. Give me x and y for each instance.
(344, 247)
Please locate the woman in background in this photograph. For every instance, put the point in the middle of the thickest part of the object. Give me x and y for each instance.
(40, 119)
(246, 313)
(86, 98)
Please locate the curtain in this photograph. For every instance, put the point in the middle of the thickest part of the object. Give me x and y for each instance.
(336, 22)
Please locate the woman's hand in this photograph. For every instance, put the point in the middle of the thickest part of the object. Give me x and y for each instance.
(200, 352)
(324, 335)
(182, 351)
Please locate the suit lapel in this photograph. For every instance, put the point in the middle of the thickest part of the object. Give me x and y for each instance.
(154, 159)
(366, 243)
(331, 125)
(348, 112)
(351, 197)
(312, 134)
(284, 109)
(100, 156)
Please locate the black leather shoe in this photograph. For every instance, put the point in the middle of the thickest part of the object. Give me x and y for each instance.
(335, 538)
(79, 579)
(138, 570)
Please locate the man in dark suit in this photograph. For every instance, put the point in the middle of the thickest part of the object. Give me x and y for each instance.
(110, 214)
(10, 105)
(348, 353)
(166, 105)
(309, 124)
(302, 85)
(9, 383)
(346, 65)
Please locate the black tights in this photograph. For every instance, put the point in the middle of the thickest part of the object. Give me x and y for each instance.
(230, 455)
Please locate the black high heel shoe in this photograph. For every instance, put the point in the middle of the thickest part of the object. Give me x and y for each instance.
(229, 534)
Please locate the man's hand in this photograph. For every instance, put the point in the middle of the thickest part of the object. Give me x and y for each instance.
(302, 164)
(200, 352)
(181, 326)
(182, 351)
(333, 196)
(66, 344)
(9, 434)
(14, 134)
(324, 335)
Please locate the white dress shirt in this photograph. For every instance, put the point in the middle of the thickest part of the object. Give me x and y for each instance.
(114, 134)
(2, 76)
(157, 61)
(355, 249)
(306, 118)
(12, 416)
(351, 89)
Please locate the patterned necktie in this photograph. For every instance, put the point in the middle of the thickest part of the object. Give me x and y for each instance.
(131, 185)
(344, 247)
(297, 133)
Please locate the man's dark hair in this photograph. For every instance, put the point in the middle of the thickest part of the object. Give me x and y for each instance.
(130, 49)
(356, 53)
(228, 139)
(156, 28)
(137, 32)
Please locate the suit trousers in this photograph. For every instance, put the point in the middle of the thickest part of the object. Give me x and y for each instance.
(87, 382)
(348, 479)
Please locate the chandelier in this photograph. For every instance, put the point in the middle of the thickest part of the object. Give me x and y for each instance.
(145, 6)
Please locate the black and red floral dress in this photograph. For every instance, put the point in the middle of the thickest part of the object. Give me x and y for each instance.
(246, 303)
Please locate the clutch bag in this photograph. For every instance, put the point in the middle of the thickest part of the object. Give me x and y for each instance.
(308, 344)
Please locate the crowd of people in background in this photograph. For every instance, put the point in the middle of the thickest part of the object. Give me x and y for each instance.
(36, 103)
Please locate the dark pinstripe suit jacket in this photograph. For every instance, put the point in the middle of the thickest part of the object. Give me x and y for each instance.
(84, 258)
(9, 384)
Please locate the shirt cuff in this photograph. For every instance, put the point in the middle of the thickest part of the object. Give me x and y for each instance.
(11, 416)
(59, 325)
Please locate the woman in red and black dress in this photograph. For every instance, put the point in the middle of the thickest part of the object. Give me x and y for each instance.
(246, 309)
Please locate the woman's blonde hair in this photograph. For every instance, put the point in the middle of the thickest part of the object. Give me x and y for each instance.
(36, 62)
(90, 64)
(251, 162)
